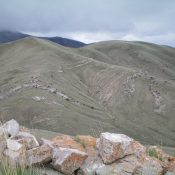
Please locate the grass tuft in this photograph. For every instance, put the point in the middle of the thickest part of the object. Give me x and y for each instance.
(153, 153)
(6, 169)
(77, 139)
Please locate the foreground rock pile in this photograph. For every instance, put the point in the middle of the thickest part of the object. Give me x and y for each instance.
(111, 154)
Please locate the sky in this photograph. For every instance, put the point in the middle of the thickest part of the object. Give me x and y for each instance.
(92, 20)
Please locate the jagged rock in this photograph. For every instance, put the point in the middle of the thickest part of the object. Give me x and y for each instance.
(111, 154)
(39, 155)
(88, 142)
(67, 160)
(91, 165)
(125, 166)
(115, 146)
(11, 127)
(16, 155)
(139, 149)
(14, 145)
(66, 141)
(46, 142)
(171, 166)
(149, 166)
(159, 154)
(26, 139)
(129, 165)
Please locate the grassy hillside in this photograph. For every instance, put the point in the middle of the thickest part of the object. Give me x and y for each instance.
(118, 86)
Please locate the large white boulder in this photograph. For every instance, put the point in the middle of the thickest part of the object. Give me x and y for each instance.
(67, 160)
(115, 146)
(11, 128)
(14, 145)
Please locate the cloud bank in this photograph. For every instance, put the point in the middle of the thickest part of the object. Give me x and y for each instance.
(92, 20)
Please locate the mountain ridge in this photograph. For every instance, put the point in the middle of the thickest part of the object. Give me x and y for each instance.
(8, 36)
(88, 90)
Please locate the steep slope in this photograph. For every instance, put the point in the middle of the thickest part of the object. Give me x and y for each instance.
(126, 87)
(39, 88)
(8, 36)
(142, 100)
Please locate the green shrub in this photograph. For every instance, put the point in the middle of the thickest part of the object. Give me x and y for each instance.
(153, 153)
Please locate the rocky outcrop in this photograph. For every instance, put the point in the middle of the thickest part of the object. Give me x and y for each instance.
(11, 128)
(67, 160)
(88, 142)
(111, 154)
(115, 146)
(149, 166)
(26, 139)
(66, 141)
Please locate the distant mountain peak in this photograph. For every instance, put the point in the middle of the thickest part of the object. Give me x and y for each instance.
(8, 36)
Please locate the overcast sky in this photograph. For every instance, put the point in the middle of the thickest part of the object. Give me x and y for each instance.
(92, 20)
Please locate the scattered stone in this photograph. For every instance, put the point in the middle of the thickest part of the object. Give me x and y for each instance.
(67, 160)
(37, 98)
(66, 141)
(39, 155)
(115, 146)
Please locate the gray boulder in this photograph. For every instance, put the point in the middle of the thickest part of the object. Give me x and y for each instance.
(67, 160)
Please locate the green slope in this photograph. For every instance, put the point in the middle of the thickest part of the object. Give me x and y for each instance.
(118, 86)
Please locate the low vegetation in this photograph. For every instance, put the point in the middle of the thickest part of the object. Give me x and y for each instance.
(153, 153)
(6, 169)
(77, 139)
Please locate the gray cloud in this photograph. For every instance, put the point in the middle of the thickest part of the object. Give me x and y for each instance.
(92, 20)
